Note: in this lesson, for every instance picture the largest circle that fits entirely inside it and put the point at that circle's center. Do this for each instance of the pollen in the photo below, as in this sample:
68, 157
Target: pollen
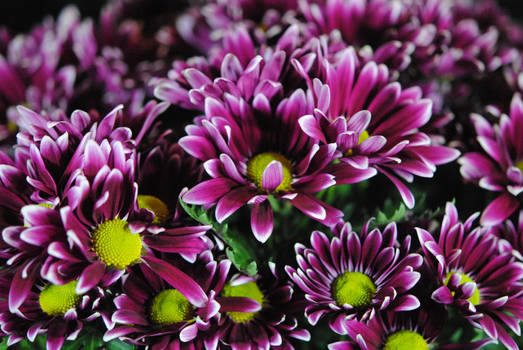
519, 165
258, 163
475, 297
115, 244
170, 307
405, 340
159, 208
247, 290
55, 300
363, 136
353, 288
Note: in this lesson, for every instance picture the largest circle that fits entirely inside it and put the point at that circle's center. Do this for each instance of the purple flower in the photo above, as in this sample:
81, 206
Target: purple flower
373, 122
55, 310
205, 27
499, 167
163, 306
416, 329
252, 146
351, 278
271, 327
475, 275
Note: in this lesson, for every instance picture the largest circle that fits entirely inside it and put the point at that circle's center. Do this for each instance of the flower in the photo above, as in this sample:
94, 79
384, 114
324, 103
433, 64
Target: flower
252, 149
270, 327
55, 310
499, 167
475, 275
349, 278
400, 331
373, 122
165, 303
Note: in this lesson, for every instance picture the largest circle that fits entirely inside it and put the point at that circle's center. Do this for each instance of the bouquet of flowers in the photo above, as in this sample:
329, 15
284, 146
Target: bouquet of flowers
263, 174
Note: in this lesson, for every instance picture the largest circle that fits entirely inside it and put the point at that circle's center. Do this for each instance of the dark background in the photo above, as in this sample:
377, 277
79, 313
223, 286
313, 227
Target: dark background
20, 15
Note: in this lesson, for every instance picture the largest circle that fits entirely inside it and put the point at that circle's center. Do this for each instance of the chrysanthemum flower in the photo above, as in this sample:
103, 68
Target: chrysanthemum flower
349, 278
271, 327
373, 122
163, 307
105, 233
473, 274
253, 147
500, 167
31, 71
203, 27
55, 310
414, 330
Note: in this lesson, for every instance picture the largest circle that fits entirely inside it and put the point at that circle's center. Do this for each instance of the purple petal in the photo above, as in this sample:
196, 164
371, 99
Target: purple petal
178, 280
232, 201
90, 277
272, 176
443, 295
262, 221
310, 126
209, 191
499, 209
238, 304
405, 193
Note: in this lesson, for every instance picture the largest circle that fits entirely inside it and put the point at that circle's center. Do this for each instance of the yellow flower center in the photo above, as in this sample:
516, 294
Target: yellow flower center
519, 165
169, 307
55, 300
159, 208
257, 165
248, 290
353, 288
363, 136
474, 299
115, 244
405, 340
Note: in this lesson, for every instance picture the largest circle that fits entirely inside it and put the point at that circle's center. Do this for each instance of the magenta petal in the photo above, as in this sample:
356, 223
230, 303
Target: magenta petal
178, 280
238, 304
310, 206
209, 191
309, 125
262, 221
443, 295
90, 277
405, 193
232, 201
272, 176
499, 209
56, 336
406, 303
20, 288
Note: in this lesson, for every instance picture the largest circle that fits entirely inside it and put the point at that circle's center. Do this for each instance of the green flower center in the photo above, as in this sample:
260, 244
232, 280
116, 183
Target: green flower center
519, 165
474, 299
116, 245
353, 288
159, 208
169, 307
257, 165
55, 300
405, 340
363, 136
248, 290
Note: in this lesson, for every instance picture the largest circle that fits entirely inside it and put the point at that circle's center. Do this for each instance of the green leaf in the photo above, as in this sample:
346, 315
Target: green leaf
118, 345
